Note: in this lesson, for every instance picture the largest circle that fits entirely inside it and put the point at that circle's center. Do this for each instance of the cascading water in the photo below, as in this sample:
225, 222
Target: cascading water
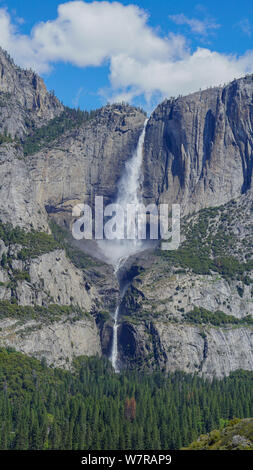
118, 250
114, 354
128, 193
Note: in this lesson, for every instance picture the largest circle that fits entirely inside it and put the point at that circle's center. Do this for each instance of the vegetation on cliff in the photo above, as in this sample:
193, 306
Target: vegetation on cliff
63, 239
32, 243
69, 119
218, 318
210, 246
52, 312
5, 139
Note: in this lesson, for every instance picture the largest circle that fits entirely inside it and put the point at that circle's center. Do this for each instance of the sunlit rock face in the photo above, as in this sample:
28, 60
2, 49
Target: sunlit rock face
24, 99
86, 162
198, 148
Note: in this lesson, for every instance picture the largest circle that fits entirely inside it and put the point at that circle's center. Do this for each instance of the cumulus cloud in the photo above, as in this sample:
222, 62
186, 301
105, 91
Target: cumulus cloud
202, 28
199, 70
21, 47
140, 61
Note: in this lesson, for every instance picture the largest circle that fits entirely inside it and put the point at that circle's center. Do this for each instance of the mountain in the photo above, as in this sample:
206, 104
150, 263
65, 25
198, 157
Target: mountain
198, 148
189, 309
24, 101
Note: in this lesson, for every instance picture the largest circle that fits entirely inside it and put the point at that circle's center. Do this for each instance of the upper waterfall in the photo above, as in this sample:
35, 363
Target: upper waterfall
129, 184
129, 192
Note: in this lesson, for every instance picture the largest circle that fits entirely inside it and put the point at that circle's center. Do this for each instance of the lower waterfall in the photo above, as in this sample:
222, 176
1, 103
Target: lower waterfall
114, 354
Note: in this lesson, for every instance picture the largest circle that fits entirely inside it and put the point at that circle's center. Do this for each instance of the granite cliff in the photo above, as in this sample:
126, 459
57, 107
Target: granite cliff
190, 309
198, 148
25, 102
85, 162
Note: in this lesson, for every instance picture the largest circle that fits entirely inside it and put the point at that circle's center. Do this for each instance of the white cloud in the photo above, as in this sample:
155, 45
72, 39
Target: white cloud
21, 47
90, 33
202, 28
199, 70
140, 61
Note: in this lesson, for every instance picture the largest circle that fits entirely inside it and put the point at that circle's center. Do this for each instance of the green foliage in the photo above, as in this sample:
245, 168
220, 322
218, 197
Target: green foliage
4, 260
80, 259
232, 268
202, 316
103, 316
47, 408
5, 139
68, 120
204, 253
33, 243
235, 434
52, 312
20, 275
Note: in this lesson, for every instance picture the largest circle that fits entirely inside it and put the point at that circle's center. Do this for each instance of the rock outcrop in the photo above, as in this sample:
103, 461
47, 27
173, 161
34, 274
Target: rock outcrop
210, 352
24, 99
51, 280
58, 342
17, 204
87, 162
199, 148
192, 309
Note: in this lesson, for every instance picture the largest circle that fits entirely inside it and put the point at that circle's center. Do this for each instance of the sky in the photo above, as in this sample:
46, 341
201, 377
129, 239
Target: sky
91, 53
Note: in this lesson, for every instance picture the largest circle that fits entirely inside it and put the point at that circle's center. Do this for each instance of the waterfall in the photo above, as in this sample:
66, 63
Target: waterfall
129, 185
114, 354
116, 251
120, 250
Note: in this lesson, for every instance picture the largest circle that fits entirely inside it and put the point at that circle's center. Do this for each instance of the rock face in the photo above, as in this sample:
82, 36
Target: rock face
154, 329
17, 206
197, 152
198, 148
87, 162
24, 100
170, 347
58, 342
53, 280
160, 322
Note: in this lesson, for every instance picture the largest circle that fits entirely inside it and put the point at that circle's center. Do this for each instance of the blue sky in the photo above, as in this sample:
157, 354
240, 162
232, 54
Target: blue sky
94, 52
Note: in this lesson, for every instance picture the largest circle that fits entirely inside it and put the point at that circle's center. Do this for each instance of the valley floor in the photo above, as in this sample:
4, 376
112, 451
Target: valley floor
92, 408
